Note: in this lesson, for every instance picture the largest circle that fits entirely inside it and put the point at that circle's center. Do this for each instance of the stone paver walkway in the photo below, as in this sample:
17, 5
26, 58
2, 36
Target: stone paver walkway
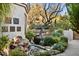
72, 50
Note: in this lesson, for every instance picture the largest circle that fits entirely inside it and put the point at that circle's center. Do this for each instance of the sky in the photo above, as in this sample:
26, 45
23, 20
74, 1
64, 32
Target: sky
64, 8
51, 4
62, 4
64, 11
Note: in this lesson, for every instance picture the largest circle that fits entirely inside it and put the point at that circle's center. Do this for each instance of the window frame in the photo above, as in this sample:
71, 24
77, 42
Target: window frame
8, 20
18, 28
11, 29
4, 30
15, 20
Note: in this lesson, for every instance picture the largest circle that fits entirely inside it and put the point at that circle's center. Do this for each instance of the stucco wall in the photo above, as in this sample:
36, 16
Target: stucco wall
17, 12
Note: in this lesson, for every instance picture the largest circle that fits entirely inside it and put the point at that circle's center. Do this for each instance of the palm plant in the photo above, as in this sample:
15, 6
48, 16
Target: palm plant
73, 11
4, 10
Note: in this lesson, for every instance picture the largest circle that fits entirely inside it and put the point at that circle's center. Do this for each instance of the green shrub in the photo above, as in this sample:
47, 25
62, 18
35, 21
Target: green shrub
37, 39
64, 44
48, 41
64, 39
59, 47
17, 52
60, 31
3, 41
57, 33
56, 39
30, 34
61, 44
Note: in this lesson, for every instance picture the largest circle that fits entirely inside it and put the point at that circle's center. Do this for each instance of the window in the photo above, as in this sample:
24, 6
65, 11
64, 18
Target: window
18, 28
4, 28
12, 29
8, 20
15, 20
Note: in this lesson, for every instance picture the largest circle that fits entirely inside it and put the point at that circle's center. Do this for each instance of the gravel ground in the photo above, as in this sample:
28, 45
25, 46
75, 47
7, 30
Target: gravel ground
72, 50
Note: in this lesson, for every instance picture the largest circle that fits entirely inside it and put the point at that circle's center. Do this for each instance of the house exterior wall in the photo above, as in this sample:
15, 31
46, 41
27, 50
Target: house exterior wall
16, 12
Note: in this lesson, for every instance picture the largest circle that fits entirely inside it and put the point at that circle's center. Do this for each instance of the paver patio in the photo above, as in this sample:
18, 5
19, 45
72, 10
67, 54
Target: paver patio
72, 50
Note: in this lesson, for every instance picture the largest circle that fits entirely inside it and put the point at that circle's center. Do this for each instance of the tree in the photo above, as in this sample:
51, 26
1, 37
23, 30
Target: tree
34, 15
47, 11
50, 12
63, 23
73, 11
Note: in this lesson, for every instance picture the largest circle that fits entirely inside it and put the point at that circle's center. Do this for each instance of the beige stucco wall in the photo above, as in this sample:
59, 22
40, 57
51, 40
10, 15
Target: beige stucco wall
17, 12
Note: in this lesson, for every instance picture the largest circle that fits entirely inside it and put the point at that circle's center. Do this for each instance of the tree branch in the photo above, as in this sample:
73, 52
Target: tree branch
54, 11
45, 10
27, 8
19, 5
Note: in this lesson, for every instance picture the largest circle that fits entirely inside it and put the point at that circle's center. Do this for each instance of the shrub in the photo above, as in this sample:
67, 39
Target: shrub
3, 41
59, 47
57, 33
30, 34
56, 39
17, 52
64, 39
61, 44
48, 41
60, 31
64, 44
37, 40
